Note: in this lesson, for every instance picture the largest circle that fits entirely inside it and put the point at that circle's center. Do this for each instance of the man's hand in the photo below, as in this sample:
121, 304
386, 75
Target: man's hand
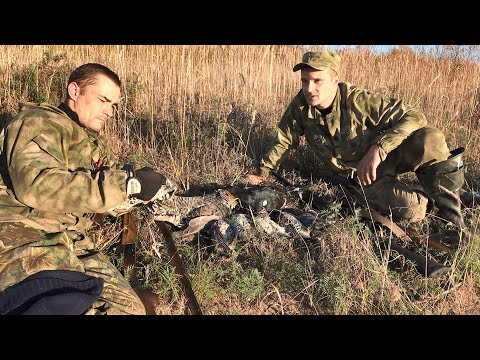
252, 179
367, 166
152, 185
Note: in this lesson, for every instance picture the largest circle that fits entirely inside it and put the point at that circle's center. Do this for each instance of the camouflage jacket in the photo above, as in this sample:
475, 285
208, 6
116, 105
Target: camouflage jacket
359, 118
50, 174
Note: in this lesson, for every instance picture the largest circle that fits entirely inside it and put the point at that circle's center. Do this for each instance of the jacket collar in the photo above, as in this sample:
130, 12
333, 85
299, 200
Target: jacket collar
73, 115
332, 120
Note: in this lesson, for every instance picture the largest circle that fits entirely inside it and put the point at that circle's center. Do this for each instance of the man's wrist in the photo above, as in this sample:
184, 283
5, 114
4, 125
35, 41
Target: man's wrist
382, 153
133, 185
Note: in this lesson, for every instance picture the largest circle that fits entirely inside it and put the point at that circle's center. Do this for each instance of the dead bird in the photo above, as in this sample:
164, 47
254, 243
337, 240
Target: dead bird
245, 225
316, 221
293, 225
241, 223
306, 224
265, 224
470, 199
259, 198
179, 210
222, 237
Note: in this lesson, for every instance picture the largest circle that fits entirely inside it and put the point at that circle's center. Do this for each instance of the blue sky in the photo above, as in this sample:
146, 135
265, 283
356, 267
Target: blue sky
467, 52
384, 48
381, 48
378, 48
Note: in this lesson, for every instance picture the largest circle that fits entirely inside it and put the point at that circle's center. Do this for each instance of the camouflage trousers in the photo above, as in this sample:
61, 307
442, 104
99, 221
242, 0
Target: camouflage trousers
424, 147
25, 251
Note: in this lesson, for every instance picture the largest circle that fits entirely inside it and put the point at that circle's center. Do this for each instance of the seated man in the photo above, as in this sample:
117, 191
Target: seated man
57, 171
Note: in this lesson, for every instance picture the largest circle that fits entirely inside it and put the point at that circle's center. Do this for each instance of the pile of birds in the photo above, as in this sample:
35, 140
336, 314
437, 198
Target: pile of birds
227, 214
234, 213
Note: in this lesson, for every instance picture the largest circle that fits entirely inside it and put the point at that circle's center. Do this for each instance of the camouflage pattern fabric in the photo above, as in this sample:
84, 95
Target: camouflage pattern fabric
406, 141
25, 251
320, 60
423, 147
178, 210
55, 175
373, 120
50, 163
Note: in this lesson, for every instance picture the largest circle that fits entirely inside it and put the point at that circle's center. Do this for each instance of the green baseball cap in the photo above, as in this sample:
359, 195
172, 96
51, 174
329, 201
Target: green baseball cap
320, 60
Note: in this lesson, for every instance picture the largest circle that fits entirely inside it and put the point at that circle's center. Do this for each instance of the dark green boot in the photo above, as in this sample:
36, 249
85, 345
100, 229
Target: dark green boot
443, 181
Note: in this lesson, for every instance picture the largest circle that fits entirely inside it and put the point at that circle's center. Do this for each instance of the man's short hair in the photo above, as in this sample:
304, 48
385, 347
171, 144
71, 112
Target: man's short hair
86, 75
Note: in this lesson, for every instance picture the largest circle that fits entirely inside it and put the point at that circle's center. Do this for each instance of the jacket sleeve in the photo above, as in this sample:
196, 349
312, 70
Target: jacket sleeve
37, 158
288, 134
395, 119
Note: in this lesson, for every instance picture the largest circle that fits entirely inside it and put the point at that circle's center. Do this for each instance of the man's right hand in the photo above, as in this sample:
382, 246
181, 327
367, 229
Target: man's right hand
153, 185
367, 166
252, 179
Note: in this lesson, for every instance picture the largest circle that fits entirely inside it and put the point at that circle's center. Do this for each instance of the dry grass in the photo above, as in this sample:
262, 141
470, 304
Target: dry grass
205, 114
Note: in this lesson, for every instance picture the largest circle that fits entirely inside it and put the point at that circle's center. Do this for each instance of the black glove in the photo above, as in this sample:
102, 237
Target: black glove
144, 183
150, 182
148, 185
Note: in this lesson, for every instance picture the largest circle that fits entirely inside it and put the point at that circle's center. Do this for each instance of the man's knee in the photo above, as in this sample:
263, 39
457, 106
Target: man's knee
411, 207
431, 144
118, 296
390, 196
423, 147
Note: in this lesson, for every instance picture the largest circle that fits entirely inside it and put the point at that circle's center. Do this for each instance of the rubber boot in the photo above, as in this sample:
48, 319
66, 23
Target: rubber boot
443, 181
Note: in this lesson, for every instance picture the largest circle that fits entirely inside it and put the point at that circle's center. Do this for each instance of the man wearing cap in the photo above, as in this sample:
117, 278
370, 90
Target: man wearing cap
371, 139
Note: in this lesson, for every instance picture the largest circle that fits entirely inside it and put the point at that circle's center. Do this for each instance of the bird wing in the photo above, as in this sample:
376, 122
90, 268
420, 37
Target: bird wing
197, 224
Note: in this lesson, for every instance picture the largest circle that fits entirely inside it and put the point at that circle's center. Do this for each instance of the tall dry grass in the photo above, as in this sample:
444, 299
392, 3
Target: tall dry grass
207, 113
173, 93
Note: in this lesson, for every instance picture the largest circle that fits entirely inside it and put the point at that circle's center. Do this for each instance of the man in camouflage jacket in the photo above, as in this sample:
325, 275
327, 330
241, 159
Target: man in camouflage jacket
370, 139
56, 172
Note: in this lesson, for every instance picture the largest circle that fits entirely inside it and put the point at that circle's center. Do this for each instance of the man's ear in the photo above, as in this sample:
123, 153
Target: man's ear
73, 90
337, 79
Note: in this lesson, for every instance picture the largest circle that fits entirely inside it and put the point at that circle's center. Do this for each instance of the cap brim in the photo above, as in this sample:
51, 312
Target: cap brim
303, 65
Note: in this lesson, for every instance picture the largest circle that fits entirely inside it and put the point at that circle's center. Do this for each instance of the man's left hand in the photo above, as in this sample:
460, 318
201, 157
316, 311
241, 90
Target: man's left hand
367, 167
253, 179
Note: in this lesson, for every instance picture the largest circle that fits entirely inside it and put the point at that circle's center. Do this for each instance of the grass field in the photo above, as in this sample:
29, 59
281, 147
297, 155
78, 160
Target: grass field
205, 114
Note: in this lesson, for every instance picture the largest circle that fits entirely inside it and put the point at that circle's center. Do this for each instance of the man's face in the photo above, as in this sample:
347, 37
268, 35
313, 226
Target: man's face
95, 103
319, 86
